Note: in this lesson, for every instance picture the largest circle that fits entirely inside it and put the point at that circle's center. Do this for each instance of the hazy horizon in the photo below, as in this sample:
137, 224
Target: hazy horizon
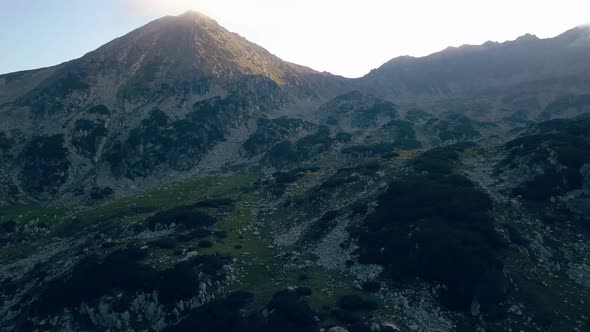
342, 37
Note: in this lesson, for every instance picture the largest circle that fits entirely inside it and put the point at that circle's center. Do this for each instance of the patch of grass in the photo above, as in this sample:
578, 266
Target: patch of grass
137, 208
369, 150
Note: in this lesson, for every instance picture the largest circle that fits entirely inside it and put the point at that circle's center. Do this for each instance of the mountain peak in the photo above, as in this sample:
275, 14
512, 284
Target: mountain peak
195, 18
193, 14
187, 48
527, 37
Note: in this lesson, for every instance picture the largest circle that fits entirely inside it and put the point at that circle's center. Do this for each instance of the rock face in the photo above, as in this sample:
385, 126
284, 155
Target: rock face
356, 110
548, 160
337, 329
270, 132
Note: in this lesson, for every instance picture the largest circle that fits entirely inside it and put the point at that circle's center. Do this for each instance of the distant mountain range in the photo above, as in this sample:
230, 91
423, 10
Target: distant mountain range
524, 76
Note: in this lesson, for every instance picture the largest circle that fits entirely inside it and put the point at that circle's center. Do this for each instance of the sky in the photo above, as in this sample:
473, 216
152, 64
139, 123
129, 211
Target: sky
344, 37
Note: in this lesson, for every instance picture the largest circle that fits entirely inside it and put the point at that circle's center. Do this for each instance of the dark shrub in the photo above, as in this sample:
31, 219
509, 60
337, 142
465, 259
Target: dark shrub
551, 183
439, 229
182, 215
371, 286
199, 233
368, 150
8, 226
45, 164
205, 244
303, 291
338, 180
440, 160
99, 110
285, 177
356, 303
302, 277
123, 271
343, 137
390, 155
287, 313
220, 316
321, 227
284, 154
6, 143
8, 287
101, 193
359, 208
165, 243
220, 234
400, 129
239, 299
345, 316
416, 115
214, 203
515, 235
290, 313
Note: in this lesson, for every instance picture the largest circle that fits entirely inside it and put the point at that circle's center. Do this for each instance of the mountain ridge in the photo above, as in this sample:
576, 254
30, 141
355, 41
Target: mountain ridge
539, 70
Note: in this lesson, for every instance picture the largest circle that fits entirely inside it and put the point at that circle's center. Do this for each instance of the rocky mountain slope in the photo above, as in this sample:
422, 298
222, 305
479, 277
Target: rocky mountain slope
182, 178
101, 115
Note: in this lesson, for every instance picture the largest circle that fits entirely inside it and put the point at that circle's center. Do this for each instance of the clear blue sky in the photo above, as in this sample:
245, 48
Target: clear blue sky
346, 37
39, 33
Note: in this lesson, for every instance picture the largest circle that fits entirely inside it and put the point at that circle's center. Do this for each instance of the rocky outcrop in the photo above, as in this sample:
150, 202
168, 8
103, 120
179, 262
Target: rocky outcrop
355, 110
